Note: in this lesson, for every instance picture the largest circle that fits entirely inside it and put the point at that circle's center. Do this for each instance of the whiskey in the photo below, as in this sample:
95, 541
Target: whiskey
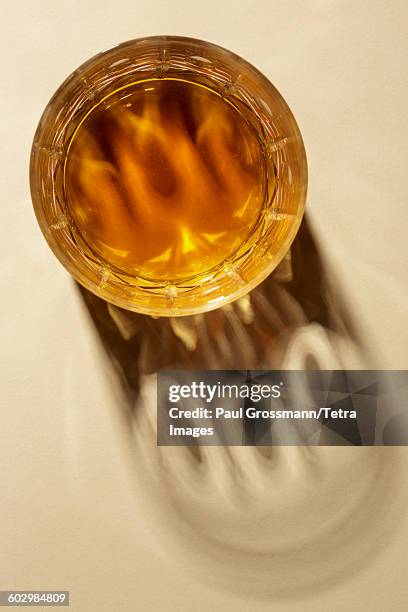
164, 179
168, 176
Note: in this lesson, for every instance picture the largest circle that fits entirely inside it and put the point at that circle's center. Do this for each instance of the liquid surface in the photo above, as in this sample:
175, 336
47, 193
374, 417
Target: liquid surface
164, 179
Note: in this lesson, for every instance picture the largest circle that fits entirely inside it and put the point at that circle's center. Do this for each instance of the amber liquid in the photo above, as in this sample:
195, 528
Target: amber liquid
164, 179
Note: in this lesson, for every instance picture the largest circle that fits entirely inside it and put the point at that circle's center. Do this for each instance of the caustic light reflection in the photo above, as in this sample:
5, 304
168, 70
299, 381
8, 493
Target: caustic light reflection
259, 520
164, 179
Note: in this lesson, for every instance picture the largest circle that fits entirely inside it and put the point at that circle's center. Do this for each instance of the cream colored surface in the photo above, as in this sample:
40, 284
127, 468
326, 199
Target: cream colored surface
72, 512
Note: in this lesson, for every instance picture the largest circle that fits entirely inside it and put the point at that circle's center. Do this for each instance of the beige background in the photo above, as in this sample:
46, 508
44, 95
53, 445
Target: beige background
69, 515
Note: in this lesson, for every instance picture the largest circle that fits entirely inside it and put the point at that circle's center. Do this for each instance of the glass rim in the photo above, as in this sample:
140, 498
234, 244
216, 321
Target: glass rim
67, 108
